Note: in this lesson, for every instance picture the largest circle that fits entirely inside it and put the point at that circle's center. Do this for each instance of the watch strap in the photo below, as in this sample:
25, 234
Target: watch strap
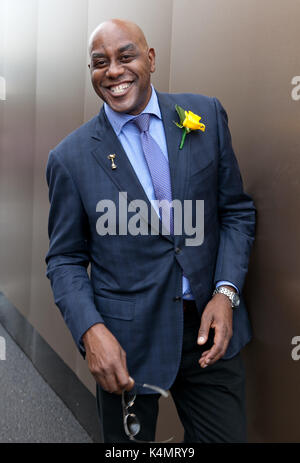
227, 292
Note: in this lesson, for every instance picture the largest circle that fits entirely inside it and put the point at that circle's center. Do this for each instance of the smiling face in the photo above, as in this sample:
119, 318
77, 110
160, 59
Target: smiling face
121, 65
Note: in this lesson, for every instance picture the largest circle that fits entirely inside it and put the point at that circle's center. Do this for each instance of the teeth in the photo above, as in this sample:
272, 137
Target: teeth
119, 88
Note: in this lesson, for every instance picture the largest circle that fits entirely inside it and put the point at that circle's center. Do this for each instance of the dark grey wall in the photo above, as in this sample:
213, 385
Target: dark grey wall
246, 53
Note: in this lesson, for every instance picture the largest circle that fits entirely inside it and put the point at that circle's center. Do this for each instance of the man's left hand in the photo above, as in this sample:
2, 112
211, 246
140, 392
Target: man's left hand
217, 315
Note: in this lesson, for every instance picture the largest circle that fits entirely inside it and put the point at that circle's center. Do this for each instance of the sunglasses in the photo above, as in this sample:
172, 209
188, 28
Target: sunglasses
132, 425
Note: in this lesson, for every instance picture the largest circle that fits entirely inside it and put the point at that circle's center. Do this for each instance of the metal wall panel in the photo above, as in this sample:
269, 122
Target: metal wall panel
60, 74
17, 148
246, 53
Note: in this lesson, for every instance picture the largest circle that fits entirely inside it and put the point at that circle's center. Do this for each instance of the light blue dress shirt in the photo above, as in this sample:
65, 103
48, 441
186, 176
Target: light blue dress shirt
129, 136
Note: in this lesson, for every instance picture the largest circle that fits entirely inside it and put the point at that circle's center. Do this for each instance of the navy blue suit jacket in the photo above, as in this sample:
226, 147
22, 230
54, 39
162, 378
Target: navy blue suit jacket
135, 281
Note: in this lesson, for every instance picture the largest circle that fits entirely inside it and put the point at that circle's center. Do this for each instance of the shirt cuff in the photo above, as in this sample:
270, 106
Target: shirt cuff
226, 283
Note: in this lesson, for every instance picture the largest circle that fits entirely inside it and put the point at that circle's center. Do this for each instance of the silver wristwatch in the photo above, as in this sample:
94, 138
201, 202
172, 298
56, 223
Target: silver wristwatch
234, 297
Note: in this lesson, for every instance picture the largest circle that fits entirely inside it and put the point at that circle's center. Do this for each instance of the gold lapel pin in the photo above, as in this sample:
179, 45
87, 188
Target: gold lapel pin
112, 157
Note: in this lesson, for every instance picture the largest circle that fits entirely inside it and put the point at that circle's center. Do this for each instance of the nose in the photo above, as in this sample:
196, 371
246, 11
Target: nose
115, 70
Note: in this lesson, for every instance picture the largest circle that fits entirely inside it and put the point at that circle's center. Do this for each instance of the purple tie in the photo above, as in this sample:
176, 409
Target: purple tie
158, 166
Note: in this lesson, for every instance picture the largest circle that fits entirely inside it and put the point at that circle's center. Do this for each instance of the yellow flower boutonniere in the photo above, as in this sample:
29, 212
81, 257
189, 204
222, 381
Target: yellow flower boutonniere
188, 122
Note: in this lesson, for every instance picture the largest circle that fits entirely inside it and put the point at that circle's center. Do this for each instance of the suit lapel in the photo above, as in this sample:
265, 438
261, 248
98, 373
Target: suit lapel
124, 176
178, 159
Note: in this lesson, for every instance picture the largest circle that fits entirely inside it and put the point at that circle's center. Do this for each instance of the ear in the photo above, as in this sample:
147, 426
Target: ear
151, 56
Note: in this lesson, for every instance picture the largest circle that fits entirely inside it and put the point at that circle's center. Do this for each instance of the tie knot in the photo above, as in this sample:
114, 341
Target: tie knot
142, 122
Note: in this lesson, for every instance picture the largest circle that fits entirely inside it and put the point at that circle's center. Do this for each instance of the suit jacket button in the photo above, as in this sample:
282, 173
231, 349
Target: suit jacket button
177, 250
177, 298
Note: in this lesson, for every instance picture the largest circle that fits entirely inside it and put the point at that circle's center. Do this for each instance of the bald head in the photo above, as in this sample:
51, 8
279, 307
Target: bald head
118, 26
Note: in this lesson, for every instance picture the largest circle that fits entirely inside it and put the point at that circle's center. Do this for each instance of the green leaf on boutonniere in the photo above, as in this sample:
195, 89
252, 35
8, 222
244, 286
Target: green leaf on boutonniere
178, 125
180, 112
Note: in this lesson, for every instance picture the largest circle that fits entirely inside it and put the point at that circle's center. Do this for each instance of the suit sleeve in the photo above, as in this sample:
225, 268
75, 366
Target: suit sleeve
236, 211
68, 257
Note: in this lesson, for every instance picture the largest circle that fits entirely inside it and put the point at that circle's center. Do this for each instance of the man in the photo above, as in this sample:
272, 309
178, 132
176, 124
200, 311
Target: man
147, 313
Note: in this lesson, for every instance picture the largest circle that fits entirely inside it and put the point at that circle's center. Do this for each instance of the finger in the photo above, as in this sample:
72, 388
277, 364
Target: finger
203, 361
204, 329
219, 347
125, 382
131, 384
121, 384
205, 353
122, 378
206, 359
114, 378
108, 382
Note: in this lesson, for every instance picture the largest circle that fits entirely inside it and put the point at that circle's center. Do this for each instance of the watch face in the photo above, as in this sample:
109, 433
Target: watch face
236, 300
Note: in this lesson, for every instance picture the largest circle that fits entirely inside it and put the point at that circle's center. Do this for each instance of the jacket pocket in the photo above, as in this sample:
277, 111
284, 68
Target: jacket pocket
122, 309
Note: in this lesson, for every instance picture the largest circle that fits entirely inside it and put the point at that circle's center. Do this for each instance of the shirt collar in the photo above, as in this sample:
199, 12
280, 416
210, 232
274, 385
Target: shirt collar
118, 120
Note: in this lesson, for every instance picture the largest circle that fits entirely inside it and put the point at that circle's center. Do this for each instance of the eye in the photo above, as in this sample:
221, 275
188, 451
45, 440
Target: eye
99, 63
126, 58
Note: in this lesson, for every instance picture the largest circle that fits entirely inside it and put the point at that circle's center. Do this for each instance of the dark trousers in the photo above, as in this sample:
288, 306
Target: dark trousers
210, 401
